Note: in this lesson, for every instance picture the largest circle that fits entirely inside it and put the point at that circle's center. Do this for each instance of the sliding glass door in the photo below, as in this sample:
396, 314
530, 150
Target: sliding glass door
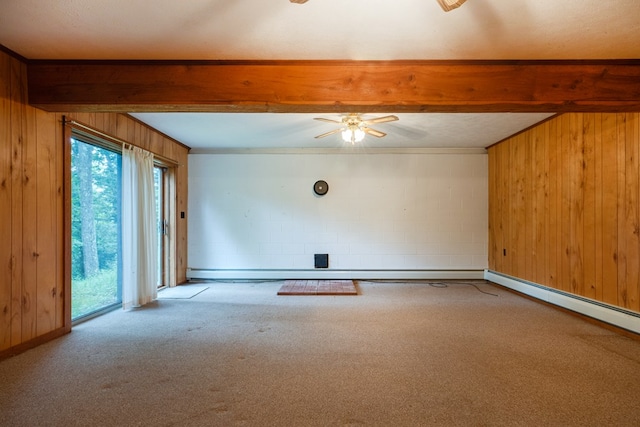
96, 230
162, 222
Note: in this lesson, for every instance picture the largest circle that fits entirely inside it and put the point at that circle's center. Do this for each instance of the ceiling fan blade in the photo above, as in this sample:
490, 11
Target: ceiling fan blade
381, 120
322, 119
374, 132
448, 5
329, 133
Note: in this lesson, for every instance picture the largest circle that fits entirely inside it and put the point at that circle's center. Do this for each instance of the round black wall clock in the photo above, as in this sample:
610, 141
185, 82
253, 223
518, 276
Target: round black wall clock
320, 188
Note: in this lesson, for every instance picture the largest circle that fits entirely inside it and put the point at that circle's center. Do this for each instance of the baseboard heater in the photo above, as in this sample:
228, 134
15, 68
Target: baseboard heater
612, 315
284, 274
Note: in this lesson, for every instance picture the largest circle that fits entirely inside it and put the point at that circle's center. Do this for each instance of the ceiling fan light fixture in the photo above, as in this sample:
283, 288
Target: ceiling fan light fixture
354, 128
353, 134
448, 5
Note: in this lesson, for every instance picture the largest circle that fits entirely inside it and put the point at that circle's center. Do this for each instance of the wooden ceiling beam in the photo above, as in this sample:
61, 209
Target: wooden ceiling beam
335, 86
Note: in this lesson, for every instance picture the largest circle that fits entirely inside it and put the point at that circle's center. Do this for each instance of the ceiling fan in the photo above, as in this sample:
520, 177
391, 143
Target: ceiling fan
446, 5
354, 127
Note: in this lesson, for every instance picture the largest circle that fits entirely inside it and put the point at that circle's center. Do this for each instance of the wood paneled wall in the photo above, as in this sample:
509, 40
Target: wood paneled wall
564, 206
32, 235
31, 220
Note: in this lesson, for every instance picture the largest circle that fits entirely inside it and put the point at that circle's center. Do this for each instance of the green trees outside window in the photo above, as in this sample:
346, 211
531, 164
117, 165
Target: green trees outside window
95, 228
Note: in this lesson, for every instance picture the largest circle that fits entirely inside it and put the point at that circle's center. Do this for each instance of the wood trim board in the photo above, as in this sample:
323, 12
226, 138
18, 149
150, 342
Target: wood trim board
335, 86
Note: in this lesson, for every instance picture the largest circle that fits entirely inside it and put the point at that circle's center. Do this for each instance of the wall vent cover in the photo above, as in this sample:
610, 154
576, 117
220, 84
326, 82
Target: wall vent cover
321, 260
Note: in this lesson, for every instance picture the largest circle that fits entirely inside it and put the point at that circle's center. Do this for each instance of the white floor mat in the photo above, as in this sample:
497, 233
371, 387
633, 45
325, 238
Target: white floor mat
181, 292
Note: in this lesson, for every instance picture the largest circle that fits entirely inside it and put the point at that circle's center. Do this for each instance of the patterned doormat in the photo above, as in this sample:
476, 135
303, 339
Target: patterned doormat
318, 287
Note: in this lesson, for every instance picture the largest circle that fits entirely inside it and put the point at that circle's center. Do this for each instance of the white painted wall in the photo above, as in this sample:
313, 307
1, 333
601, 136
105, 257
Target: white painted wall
382, 211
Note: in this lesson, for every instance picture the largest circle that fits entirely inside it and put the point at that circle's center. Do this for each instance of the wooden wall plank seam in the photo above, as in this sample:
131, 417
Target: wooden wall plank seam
16, 141
589, 205
577, 204
565, 183
610, 212
553, 241
29, 221
632, 221
47, 218
5, 203
541, 174
621, 209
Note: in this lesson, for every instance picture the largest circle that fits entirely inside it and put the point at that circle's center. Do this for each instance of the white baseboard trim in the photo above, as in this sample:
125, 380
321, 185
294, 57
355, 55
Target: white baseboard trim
204, 274
595, 309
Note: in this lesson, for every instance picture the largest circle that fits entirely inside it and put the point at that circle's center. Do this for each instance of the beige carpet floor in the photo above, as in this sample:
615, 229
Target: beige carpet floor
399, 354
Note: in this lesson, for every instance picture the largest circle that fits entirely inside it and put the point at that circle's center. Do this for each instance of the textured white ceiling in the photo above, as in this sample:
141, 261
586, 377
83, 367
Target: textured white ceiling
205, 131
320, 29
323, 29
